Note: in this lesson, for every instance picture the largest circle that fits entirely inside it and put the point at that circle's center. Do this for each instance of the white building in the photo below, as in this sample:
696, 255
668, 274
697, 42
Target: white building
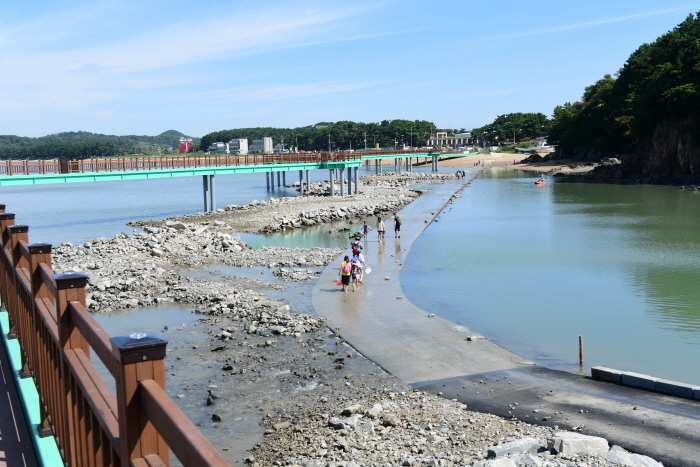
262, 145
238, 146
441, 140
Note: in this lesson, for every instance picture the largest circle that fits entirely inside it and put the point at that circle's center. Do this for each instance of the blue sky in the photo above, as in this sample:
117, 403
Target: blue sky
144, 67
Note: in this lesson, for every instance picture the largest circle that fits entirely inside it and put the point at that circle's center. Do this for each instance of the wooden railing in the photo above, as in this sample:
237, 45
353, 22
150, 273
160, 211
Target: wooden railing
158, 163
139, 425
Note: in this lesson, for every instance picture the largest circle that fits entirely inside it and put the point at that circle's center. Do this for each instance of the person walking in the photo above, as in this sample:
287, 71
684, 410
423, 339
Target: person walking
355, 275
365, 230
345, 273
381, 228
358, 257
397, 226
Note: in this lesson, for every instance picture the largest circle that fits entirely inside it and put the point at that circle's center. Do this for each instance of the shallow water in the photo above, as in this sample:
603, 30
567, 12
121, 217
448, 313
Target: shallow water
534, 267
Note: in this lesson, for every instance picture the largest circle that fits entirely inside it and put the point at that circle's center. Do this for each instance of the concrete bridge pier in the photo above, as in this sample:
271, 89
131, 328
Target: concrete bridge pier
279, 179
284, 178
342, 182
357, 181
209, 189
376, 166
308, 179
267, 180
332, 183
301, 181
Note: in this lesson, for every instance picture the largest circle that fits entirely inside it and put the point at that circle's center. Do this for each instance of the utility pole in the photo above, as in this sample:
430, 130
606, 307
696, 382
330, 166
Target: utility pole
329, 143
411, 137
365, 134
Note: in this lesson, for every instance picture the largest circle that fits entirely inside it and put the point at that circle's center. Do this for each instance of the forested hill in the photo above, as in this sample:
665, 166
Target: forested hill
81, 144
648, 115
343, 135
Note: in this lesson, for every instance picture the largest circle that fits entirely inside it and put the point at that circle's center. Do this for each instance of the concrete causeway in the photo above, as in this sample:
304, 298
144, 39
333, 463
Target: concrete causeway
434, 354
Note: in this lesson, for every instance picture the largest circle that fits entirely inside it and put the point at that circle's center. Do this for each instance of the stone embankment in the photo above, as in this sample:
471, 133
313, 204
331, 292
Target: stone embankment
414, 428
379, 195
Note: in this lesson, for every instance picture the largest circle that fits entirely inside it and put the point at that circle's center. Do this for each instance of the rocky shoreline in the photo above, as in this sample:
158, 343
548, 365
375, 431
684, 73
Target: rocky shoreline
254, 357
379, 195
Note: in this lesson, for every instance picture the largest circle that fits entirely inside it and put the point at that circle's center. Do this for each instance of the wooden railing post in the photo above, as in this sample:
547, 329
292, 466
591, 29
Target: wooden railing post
6, 219
15, 233
142, 358
70, 287
40, 253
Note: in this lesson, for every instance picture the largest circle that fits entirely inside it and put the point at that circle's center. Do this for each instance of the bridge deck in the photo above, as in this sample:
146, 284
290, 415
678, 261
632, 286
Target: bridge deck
95, 170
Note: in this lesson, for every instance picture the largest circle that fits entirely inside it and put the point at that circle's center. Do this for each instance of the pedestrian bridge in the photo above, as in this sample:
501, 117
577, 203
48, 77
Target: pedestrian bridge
112, 169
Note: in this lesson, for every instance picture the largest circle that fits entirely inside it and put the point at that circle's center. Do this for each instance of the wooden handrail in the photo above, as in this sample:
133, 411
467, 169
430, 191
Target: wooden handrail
96, 336
181, 435
55, 331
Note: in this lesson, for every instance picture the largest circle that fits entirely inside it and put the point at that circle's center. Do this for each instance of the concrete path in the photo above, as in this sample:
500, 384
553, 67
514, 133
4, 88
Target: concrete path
434, 354
393, 332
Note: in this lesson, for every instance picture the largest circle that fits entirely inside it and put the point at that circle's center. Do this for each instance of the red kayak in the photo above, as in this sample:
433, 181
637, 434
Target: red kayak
539, 182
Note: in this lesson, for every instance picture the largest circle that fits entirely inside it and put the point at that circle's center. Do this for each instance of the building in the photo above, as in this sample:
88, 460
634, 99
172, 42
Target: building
238, 146
218, 148
262, 145
441, 140
185, 145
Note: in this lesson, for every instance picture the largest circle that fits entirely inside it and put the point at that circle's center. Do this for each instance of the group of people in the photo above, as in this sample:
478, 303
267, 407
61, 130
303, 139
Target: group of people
381, 227
460, 174
352, 270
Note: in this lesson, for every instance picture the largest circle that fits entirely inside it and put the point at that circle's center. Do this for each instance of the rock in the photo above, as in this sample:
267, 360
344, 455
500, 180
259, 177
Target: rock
570, 444
350, 410
175, 225
281, 425
504, 462
367, 429
215, 417
518, 446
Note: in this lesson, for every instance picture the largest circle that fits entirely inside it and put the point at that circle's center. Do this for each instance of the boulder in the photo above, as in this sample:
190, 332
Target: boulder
175, 225
517, 446
570, 444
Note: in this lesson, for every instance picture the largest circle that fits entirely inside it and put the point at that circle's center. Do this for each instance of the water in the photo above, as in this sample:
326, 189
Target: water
535, 267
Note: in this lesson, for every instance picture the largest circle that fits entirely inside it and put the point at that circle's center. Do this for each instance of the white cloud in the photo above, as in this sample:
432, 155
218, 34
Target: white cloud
588, 24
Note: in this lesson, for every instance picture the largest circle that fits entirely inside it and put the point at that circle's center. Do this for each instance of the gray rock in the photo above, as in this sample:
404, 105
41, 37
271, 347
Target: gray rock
570, 444
175, 225
517, 446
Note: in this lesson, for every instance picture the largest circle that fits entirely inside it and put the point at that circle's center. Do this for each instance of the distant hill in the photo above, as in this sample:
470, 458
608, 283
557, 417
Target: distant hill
343, 134
165, 140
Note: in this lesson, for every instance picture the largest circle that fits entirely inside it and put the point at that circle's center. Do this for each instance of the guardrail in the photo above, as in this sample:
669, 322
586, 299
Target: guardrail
183, 162
139, 425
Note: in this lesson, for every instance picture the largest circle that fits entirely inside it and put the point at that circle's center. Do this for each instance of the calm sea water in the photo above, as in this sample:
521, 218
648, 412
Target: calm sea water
529, 267
76, 212
534, 267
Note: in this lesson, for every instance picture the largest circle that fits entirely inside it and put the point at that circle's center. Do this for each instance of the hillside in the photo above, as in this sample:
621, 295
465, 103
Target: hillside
647, 116
343, 134
165, 140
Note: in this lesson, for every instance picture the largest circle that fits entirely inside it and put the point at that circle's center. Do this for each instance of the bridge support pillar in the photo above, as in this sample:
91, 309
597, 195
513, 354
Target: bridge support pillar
284, 178
279, 179
308, 179
342, 182
212, 192
267, 180
381, 163
209, 189
332, 182
357, 180
205, 189
376, 166
301, 181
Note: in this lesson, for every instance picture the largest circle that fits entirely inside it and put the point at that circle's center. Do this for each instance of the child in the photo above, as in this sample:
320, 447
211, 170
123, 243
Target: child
365, 230
355, 275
